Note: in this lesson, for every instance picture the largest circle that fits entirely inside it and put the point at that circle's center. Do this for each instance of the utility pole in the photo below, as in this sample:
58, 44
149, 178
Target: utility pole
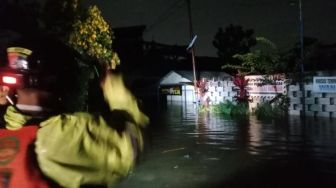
191, 32
302, 61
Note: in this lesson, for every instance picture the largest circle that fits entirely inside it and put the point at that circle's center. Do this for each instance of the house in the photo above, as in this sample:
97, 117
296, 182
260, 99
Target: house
179, 86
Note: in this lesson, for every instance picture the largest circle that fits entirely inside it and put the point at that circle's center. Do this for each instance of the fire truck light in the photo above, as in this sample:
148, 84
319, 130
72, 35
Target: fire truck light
9, 80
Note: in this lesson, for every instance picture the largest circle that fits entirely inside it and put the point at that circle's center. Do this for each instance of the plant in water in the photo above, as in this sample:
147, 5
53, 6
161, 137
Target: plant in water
277, 107
230, 108
241, 83
202, 86
223, 108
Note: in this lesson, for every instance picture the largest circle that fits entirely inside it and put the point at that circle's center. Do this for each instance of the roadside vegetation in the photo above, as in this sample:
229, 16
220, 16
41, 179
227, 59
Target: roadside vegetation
276, 108
231, 108
244, 54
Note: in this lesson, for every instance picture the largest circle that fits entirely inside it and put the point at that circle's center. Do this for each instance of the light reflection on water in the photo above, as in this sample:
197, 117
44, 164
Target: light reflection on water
190, 149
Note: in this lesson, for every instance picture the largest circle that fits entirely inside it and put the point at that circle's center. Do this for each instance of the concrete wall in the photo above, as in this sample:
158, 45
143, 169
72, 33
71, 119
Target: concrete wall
220, 91
316, 104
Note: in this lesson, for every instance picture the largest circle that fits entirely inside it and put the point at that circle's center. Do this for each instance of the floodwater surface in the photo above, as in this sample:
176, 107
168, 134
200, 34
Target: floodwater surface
185, 149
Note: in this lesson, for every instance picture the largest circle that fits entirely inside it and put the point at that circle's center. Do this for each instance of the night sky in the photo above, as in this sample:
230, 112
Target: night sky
277, 20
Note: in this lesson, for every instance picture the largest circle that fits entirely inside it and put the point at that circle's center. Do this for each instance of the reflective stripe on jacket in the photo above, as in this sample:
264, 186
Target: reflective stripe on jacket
18, 167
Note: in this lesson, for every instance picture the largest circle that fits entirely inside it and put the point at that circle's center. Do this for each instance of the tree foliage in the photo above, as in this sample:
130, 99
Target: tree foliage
310, 50
233, 40
84, 29
58, 16
92, 36
265, 59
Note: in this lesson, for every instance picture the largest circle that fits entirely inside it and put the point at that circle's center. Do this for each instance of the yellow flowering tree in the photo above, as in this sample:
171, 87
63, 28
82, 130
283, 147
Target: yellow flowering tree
84, 30
92, 37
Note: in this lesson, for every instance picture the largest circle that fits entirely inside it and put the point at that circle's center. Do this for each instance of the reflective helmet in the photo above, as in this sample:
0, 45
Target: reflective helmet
42, 63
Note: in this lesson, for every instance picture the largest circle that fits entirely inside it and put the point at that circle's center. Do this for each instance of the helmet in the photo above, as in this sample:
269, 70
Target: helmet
40, 63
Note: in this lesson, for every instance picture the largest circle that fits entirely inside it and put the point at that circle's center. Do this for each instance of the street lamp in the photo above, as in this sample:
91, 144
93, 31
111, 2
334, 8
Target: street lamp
301, 60
302, 87
191, 46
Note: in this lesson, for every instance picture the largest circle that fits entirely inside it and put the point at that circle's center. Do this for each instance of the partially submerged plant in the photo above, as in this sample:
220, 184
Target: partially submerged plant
242, 95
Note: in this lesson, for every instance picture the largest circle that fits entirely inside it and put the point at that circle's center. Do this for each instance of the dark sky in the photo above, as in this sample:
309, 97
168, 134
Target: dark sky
277, 20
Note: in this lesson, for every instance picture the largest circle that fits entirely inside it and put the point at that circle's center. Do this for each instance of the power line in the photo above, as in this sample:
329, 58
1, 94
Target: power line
169, 12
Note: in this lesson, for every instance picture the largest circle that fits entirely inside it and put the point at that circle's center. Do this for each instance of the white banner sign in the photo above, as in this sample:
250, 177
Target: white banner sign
255, 88
324, 84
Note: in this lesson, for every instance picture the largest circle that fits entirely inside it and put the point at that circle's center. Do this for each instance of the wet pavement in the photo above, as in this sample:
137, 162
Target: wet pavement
189, 149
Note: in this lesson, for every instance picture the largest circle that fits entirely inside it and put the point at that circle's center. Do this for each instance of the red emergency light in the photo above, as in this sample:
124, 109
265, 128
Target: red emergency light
9, 80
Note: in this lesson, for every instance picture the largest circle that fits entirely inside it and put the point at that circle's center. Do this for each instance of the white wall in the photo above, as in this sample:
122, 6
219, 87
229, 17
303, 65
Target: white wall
220, 91
316, 104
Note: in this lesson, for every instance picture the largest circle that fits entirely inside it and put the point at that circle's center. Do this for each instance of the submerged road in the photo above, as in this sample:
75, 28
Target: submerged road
187, 149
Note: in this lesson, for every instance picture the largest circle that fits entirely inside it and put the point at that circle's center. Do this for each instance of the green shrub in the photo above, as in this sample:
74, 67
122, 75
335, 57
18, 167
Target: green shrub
240, 109
273, 109
230, 108
264, 110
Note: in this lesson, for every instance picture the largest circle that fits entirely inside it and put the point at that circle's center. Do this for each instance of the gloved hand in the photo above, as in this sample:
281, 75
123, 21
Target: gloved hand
119, 97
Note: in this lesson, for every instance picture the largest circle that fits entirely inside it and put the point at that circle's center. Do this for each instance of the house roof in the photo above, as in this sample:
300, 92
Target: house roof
186, 77
174, 78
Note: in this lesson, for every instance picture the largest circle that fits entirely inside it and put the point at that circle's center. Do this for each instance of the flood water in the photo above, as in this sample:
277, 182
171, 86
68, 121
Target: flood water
189, 149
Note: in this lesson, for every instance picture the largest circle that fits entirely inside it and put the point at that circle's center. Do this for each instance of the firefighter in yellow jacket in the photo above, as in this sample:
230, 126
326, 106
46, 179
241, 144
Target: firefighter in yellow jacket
71, 149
